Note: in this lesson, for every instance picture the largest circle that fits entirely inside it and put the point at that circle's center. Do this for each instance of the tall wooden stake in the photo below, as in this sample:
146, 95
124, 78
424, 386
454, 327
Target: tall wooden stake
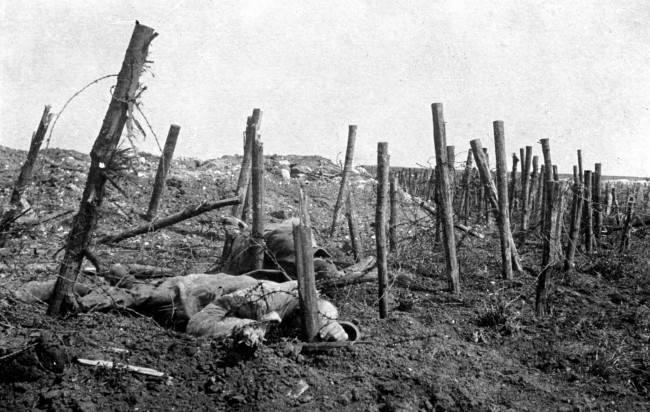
257, 232
355, 239
492, 198
349, 155
305, 272
444, 203
380, 226
101, 154
512, 192
164, 164
524, 192
502, 186
392, 224
598, 206
588, 226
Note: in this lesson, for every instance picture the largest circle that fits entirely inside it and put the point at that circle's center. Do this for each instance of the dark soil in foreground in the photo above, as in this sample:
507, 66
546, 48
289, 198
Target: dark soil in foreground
482, 351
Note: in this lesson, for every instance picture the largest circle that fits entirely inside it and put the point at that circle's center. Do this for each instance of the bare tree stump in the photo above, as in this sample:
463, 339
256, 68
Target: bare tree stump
445, 201
347, 168
101, 157
15, 205
502, 186
512, 192
525, 170
574, 230
580, 171
164, 164
380, 226
532, 191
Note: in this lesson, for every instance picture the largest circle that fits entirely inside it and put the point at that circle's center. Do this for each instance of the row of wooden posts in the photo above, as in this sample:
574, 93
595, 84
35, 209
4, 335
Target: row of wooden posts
541, 193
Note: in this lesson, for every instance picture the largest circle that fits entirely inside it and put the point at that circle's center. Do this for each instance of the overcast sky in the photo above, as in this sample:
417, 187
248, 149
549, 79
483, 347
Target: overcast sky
576, 72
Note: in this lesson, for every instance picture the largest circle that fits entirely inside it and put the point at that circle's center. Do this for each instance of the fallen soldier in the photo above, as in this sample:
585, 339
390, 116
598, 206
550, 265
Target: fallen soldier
212, 305
279, 256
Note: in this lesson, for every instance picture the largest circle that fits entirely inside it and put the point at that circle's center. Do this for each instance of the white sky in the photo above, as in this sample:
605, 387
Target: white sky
576, 72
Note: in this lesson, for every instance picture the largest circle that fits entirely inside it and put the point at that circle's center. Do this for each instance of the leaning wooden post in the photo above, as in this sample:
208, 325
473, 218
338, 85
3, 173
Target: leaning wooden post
576, 218
444, 203
502, 187
492, 198
524, 192
512, 191
163, 168
349, 155
15, 204
244, 181
103, 150
355, 239
598, 207
588, 226
550, 235
305, 273
392, 224
257, 231
380, 226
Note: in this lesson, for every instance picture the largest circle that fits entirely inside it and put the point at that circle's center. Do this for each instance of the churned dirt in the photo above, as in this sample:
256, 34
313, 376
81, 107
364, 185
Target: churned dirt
484, 350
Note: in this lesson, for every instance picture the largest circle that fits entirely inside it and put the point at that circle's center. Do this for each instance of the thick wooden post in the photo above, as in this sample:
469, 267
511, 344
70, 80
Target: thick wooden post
451, 167
355, 239
465, 206
551, 236
242, 191
576, 218
580, 171
383, 170
104, 148
257, 232
512, 192
598, 206
502, 187
349, 155
164, 164
492, 198
524, 192
444, 192
392, 224
588, 226
305, 272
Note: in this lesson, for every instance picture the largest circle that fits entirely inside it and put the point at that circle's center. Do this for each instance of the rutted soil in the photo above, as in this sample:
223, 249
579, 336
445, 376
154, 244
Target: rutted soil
483, 351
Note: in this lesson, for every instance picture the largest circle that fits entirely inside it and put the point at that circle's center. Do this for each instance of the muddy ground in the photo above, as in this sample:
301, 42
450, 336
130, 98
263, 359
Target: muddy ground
482, 351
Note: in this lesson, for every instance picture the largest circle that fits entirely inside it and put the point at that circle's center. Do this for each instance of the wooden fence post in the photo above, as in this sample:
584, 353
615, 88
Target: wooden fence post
503, 221
588, 226
532, 191
392, 225
164, 164
576, 217
85, 220
242, 191
305, 272
257, 232
513, 183
598, 206
580, 171
492, 198
383, 170
349, 155
355, 239
524, 192
444, 192
464, 205
551, 236
451, 167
